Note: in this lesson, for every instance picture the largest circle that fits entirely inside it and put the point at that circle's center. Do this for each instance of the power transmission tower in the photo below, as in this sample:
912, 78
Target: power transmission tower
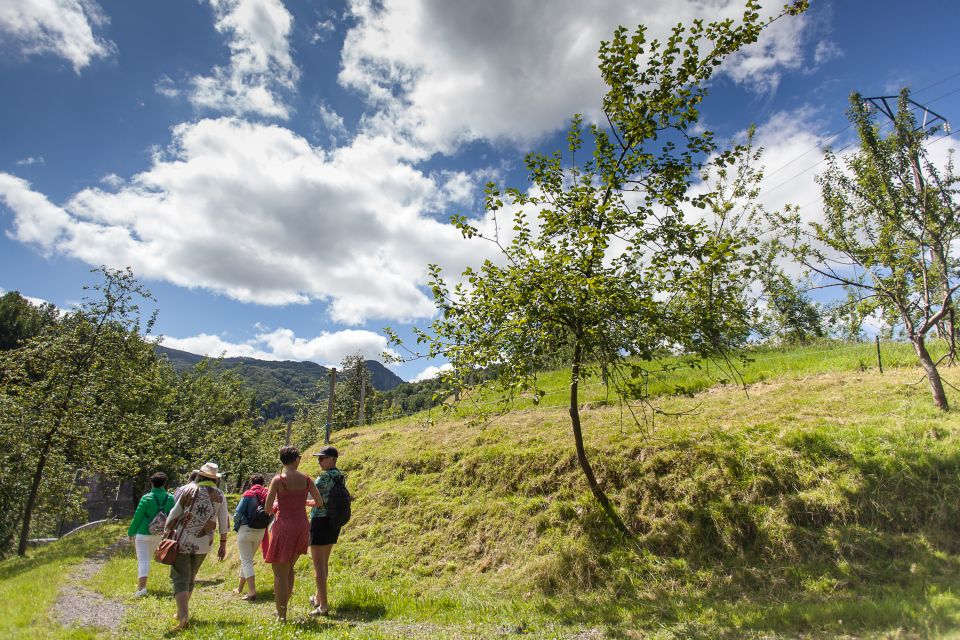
887, 105
930, 117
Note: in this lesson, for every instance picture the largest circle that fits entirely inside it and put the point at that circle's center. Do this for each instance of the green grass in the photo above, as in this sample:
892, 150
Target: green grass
823, 502
687, 376
29, 586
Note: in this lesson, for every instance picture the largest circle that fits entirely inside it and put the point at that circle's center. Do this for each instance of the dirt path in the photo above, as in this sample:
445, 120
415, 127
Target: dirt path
78, 606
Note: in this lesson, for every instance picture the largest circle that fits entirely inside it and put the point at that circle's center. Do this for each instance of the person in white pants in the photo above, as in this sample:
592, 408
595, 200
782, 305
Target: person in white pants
148, 520
249, 537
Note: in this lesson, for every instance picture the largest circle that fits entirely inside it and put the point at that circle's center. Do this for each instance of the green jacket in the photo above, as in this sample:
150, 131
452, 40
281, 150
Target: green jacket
150, 504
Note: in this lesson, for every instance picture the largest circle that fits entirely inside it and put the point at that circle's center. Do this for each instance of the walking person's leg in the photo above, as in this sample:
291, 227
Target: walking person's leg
245, 549
183, 574
320, 554
281, 573
291, 574
254, 541
143, 547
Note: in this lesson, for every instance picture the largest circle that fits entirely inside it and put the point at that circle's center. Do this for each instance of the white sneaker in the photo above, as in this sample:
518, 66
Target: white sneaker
140, 593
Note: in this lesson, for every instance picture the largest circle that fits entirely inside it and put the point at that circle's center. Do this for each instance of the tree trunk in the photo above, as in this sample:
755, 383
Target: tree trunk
933, 376
32, 496
952, 337
595, 488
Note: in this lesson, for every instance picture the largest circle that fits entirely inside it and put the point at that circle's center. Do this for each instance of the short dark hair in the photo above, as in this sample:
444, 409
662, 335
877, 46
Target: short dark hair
193, 476
158, 479
257, 478
289, 454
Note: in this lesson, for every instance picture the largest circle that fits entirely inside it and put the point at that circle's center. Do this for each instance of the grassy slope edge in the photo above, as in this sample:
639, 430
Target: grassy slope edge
815, 505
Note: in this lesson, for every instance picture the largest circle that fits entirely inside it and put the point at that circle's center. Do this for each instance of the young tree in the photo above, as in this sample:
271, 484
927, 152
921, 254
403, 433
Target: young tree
354, 382
890, 231
64, 383
603, 258
790, 317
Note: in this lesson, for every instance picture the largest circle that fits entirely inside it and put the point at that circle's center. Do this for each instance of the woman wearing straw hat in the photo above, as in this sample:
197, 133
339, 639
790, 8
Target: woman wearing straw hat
200, 509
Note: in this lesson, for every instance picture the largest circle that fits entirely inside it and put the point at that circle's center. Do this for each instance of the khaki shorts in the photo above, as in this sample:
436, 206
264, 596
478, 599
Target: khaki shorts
183, 572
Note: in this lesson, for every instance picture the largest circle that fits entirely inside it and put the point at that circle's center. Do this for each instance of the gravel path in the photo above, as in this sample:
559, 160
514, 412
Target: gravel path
78, 606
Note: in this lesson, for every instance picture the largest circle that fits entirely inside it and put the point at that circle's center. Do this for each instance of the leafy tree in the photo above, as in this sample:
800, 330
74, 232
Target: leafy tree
353, 380
212, 417
68, 384
791, 317
88, 395
20, 320
890, 231
607, 263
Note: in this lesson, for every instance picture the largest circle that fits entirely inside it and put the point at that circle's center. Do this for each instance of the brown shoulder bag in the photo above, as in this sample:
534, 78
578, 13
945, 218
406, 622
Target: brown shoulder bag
169, 547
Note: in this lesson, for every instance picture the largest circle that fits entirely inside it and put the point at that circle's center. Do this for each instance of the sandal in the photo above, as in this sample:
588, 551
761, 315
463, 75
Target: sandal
250, 597
317, 611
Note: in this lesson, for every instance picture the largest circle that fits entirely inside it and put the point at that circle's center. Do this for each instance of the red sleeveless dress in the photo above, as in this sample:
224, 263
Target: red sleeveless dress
290, 531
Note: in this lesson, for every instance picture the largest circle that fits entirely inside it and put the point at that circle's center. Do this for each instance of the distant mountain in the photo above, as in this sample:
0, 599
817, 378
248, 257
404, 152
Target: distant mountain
279, 386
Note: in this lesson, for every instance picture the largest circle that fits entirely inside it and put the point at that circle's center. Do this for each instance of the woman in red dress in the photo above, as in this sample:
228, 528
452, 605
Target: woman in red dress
290, 531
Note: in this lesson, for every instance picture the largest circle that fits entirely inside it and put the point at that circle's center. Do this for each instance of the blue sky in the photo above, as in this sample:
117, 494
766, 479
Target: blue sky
280, 174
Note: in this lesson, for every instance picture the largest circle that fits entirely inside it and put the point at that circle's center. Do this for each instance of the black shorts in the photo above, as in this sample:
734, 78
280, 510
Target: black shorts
322, 531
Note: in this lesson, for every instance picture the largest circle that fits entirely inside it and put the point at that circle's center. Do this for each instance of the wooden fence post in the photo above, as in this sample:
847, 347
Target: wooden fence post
879, 361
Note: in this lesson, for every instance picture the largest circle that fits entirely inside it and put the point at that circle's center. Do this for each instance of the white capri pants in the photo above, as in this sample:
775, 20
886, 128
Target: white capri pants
145, 546
247, 542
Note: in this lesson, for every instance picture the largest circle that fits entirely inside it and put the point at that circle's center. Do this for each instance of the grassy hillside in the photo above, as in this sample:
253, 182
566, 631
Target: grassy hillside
816, 505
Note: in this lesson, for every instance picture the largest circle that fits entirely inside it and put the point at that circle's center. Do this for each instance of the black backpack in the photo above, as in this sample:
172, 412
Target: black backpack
338, 502
260, 518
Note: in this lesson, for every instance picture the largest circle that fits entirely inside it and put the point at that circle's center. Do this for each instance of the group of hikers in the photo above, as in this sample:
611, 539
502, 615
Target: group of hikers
272, 517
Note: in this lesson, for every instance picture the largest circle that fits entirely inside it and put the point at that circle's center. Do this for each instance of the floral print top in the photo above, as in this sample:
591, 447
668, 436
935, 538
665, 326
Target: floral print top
324, 484
200, 509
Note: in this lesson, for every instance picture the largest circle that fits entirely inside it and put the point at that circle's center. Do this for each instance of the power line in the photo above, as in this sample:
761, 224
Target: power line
840, 131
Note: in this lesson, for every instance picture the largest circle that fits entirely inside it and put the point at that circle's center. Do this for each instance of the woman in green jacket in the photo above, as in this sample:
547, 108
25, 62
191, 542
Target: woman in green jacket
152, 504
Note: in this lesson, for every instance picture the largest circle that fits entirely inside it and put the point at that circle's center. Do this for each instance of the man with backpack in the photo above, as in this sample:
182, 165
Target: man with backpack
147, 525
250, 521
326, 519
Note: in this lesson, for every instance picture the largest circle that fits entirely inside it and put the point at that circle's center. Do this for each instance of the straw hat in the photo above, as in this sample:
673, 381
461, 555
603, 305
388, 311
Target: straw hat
209, 470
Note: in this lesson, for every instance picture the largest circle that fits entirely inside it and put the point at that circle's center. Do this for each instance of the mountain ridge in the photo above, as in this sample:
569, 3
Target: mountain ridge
279, 386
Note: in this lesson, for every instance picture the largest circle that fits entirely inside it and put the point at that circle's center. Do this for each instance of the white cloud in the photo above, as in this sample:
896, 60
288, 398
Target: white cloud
26, 162
331, 122
826, 51
165, 86
329, 348
260, 68
779, 48
214, 346
793, 143
36, 220
257, 213
322, 30
65, 28
447, 71
112, 180
431, 372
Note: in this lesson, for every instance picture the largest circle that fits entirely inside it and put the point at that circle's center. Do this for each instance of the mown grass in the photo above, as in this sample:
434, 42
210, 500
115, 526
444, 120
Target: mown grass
684, 376
817, 506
